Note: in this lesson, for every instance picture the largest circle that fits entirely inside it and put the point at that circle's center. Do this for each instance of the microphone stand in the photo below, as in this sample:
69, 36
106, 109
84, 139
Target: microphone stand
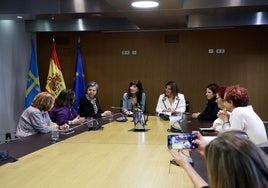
123, 116
87, 123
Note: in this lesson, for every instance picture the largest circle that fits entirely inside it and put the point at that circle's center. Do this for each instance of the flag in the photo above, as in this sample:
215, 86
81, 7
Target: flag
79, 82
55, 81
33, 84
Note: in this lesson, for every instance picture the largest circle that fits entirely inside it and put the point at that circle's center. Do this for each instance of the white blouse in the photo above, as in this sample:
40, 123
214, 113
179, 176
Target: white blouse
179, 104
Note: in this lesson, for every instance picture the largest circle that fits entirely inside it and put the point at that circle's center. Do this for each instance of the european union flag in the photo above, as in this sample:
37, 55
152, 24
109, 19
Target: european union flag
33, 84
79, 82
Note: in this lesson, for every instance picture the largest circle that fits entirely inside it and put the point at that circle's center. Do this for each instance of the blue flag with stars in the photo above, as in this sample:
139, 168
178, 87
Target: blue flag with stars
79, 82
33, 84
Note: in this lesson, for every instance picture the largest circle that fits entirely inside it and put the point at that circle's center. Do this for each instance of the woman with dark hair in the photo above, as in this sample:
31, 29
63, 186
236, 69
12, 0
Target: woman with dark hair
63, 111
218, 123
89, 105
35, 119
242, 117
212, 109
232, 161
135, 97
171, 102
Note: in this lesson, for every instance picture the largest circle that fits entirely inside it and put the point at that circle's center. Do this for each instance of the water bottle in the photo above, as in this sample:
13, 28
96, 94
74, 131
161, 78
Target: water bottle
55, 133
89, 122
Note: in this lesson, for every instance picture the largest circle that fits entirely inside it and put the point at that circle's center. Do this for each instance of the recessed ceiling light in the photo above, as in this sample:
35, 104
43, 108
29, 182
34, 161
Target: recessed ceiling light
145, 4
19, 17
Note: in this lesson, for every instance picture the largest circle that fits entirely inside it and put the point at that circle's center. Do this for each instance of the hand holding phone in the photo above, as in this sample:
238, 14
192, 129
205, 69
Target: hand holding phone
181, 141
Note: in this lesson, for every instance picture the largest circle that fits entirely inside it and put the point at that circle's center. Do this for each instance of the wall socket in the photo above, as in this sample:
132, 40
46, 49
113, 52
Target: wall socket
125, 52
220, 51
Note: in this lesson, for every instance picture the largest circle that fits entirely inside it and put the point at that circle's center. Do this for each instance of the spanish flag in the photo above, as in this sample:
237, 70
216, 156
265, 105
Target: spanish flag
55, 81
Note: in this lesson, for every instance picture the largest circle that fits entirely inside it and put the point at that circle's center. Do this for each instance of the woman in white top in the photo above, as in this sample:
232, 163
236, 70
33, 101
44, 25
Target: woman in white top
171, 102
242, 117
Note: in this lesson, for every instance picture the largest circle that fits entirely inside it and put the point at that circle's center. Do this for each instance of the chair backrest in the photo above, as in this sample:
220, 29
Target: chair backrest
121, 106
187, 106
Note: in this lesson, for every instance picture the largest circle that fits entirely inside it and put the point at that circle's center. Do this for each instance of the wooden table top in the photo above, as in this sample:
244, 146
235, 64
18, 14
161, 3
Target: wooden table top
116, 156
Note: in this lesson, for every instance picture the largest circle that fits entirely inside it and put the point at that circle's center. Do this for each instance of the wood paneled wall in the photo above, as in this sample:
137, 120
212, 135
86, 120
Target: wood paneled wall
181, 56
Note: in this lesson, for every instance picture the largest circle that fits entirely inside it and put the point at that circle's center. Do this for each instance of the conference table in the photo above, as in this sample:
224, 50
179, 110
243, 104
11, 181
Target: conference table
115, 156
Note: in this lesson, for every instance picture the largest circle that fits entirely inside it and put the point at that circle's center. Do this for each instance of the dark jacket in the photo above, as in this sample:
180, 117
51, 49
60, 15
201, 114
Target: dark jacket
86, 108
210, 112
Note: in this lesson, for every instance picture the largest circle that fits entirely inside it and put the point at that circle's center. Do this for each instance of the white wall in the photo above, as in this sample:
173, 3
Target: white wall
15, 51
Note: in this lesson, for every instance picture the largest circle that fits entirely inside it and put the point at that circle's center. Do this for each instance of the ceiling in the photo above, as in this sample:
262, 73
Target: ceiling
118, 15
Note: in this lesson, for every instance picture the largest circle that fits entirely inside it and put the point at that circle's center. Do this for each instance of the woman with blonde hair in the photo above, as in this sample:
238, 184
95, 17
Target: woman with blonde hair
233, 161
35, 119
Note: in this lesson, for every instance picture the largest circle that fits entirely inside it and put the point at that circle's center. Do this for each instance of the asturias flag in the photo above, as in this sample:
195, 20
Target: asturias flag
55, 81
79, 82
33, 84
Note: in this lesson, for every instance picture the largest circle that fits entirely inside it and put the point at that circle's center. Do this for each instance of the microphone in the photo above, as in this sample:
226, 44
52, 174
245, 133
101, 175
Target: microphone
90, 124
123, 117
121, 109
116, 107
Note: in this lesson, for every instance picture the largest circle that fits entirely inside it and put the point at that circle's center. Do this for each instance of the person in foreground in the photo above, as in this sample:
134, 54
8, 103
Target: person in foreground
35, 119
89, 105
135, 97
232, 160
242, 116
63, 112
171, 101
211, 110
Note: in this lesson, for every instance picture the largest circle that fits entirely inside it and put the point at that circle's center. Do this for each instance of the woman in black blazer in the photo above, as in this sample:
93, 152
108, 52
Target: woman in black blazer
89, 105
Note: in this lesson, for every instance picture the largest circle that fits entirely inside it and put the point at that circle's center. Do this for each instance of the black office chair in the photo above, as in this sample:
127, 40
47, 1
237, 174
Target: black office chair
8, 137
121, 106
187, 106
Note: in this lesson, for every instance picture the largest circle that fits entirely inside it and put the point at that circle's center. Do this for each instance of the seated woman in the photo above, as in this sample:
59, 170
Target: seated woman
242, 117
232, 160
218, 123
63, 111
135, 97
89, 105
212, 109
35, 119
171, 102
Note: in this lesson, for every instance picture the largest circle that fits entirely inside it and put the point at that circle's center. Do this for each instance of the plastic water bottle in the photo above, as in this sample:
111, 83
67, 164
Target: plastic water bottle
55, 133
89, 122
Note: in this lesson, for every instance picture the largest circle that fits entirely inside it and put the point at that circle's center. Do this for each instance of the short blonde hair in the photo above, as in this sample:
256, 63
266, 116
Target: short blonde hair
43, 101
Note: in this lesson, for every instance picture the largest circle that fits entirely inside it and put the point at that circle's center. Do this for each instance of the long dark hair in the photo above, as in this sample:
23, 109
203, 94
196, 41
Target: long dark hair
65, 98
213, 87
140, 89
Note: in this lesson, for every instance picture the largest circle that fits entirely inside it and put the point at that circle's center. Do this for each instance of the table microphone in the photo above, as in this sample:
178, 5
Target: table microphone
123, 117
85, 123
116, 107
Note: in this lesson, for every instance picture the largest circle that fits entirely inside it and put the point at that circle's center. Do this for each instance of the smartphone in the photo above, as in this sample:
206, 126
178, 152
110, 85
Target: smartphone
181, 141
